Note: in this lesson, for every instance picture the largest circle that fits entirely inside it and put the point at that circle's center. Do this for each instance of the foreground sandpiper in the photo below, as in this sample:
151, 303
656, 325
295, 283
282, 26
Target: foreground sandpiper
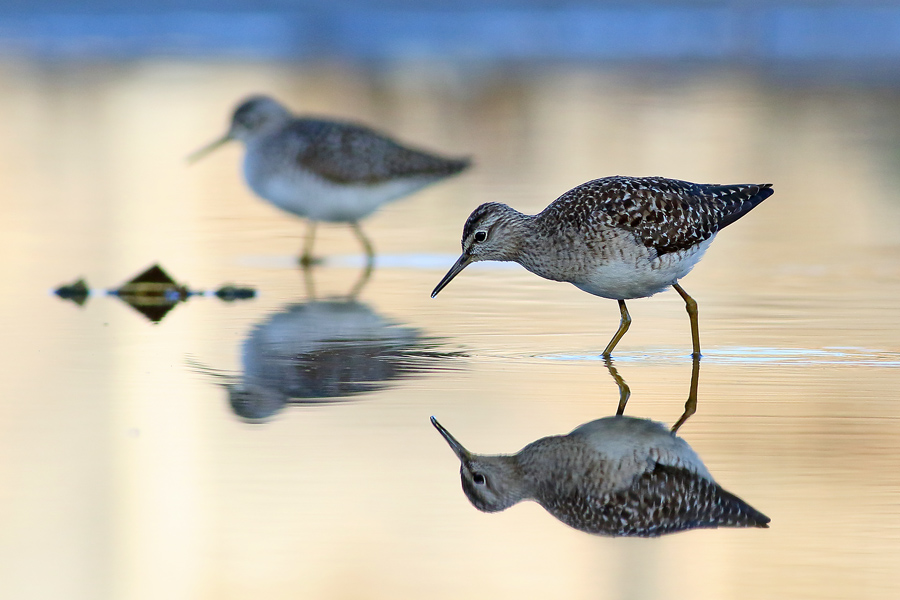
324, 170
617, 476
615, 237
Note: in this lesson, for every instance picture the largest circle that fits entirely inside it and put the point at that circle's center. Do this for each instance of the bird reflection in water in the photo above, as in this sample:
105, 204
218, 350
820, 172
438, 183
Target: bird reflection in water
616, 476
323, 351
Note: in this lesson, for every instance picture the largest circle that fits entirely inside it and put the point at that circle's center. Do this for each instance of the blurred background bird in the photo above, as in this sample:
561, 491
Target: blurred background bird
325, 170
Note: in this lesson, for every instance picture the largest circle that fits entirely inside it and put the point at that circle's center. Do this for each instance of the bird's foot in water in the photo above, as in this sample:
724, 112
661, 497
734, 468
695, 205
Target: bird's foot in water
307, 260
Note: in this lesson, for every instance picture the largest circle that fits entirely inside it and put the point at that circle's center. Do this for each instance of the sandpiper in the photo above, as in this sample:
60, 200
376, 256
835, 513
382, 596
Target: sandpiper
616, 476
324, 170
615, 237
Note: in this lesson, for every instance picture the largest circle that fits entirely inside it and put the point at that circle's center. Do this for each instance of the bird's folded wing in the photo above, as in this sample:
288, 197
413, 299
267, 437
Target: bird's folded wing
667, 215
351, 154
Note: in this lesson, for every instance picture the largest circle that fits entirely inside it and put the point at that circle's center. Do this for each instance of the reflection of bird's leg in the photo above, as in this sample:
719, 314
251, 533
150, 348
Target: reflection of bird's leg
362, 281
690, 406
306, 258
367, 246
691, 306
624, 390
624, 323
309, 281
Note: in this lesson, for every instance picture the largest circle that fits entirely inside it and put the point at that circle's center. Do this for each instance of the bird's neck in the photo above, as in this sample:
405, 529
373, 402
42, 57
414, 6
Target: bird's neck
558, 465
513, 483
540, 249
516, 229
272, 125
536, 460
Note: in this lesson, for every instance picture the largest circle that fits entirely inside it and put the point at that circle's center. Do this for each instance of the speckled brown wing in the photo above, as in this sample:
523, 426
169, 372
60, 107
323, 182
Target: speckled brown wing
665, 214
664, 500
345, 153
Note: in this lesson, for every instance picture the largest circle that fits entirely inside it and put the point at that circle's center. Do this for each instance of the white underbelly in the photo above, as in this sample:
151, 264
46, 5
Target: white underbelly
627, 277
315, 198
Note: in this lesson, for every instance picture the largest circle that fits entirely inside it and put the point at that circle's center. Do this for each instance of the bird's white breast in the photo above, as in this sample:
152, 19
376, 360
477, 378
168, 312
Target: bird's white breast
638, 273
298, 191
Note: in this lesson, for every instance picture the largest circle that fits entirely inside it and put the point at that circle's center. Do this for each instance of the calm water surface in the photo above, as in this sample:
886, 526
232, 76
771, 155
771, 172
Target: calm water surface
129, 472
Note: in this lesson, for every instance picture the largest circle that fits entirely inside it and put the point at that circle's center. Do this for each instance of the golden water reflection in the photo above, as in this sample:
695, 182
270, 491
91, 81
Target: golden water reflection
125, 477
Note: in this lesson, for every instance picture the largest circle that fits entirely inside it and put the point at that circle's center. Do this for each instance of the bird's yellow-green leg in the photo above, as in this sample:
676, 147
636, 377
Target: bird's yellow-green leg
691, 306
367, 245
690, 406
624, 324
306, 258
624, 390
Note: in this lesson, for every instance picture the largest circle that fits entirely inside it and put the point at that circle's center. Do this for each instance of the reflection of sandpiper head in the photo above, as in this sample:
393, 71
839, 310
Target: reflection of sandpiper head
491, 483
324, 351
254, 403
617, 476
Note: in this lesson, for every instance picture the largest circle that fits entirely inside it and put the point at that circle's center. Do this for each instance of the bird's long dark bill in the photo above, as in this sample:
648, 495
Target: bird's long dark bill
460, 264
198, 154
461, 452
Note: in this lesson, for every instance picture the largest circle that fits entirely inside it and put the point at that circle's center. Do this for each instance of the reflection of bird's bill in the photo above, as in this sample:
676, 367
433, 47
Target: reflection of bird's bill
461, 452
198, 154
458, 266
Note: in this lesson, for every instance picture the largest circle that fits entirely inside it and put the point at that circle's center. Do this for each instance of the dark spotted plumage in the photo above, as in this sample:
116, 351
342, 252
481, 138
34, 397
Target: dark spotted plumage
346, 153
617, 476
665, 500
667, 215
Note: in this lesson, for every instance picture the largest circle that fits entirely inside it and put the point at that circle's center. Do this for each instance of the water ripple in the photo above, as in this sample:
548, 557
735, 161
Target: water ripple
754, 355
386, 261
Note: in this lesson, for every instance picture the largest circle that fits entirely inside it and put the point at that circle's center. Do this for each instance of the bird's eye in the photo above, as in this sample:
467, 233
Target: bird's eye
478, 478
480, 236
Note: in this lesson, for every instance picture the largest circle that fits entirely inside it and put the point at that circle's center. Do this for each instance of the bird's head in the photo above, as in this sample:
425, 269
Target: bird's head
253, 117
490, 233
